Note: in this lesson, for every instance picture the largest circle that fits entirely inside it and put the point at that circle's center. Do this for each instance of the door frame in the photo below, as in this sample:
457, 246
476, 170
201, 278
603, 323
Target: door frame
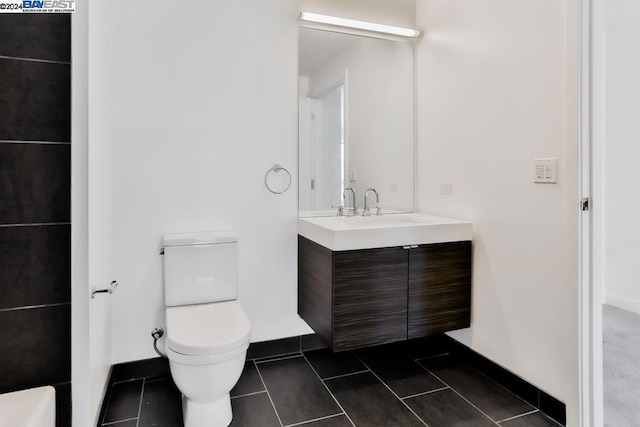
591, 235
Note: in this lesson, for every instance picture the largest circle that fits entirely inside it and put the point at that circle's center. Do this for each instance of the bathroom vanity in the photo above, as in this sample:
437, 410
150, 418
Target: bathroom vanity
371, 281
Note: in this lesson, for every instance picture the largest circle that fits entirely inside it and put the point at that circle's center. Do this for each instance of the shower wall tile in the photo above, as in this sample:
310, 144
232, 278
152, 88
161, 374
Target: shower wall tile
36, 36
35, 182
35, 188
36, 347
35, 101
35, 262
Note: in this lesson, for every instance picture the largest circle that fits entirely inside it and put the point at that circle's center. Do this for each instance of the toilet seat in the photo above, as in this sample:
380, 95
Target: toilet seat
186, 359
207, 330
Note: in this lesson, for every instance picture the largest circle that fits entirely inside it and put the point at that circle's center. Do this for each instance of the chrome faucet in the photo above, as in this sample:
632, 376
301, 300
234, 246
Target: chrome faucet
366, 211
350, 212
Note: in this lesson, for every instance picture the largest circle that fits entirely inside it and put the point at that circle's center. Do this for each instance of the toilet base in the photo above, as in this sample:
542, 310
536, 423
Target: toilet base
210, 414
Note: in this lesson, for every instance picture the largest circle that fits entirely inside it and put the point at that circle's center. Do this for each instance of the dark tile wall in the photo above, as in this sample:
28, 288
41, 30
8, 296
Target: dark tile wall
35, 200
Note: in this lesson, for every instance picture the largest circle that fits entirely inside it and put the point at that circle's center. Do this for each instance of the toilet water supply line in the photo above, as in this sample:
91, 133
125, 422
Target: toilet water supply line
157, 333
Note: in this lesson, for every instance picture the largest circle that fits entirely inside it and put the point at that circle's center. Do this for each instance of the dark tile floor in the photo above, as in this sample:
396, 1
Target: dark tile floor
386, 386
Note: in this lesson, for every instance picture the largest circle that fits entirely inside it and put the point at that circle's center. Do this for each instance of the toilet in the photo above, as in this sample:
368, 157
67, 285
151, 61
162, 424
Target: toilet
207, 330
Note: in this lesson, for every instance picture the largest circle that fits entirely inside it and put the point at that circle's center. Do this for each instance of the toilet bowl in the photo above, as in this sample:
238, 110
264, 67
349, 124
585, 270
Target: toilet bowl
207, 338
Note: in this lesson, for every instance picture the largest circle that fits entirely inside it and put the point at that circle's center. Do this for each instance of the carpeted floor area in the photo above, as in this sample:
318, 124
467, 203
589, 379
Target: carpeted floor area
621, 342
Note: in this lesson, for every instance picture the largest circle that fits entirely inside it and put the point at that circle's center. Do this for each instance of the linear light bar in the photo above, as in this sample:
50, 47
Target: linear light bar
360, 25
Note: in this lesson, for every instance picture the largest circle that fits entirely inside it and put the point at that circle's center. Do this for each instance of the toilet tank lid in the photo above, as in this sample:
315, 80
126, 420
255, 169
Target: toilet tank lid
200, 238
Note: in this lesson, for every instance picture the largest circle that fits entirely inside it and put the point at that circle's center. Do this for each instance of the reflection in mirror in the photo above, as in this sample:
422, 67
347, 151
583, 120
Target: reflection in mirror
355, 121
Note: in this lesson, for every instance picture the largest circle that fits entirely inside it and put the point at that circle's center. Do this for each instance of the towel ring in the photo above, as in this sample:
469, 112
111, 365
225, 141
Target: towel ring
277, 168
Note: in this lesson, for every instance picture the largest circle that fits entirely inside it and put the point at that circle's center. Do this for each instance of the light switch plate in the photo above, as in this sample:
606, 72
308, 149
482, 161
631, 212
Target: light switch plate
545, 170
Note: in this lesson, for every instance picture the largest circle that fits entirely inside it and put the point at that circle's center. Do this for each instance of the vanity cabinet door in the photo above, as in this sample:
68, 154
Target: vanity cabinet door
369, 297
439, 288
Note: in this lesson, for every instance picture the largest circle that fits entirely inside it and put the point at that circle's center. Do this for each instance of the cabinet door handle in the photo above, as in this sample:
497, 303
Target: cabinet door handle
406, 247
413, 246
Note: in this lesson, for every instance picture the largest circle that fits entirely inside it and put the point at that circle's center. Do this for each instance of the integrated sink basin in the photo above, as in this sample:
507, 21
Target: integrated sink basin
343, 233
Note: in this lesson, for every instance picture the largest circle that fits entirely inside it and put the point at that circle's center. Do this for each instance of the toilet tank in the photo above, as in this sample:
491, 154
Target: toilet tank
200, 267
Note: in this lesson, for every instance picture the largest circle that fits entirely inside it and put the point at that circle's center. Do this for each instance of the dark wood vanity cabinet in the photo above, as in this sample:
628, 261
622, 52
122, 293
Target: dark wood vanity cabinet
439, 288
369, 297
362, 298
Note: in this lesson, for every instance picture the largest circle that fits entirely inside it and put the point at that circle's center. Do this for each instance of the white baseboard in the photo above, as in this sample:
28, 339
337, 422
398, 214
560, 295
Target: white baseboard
622, 303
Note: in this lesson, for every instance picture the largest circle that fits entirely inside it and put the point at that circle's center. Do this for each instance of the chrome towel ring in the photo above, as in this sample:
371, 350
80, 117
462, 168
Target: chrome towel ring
277, 169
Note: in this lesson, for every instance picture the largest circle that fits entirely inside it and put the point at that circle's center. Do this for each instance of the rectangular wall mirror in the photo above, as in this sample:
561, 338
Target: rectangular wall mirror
356, 121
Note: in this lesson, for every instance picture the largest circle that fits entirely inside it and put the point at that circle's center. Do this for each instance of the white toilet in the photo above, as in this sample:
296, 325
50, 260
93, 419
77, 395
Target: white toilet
207, 330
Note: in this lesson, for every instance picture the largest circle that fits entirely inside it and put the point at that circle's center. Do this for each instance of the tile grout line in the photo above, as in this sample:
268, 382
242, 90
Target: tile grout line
329, 391
505, 388
530, 413
34, 224
111, 423
106, 403
344, 375
277, 358
465, 399
392, 392
128, 381
24, 141
32, 307
144, 380
248, 394
268, 394
301, 423
456, 392
419, 359
45, 61
425, 392
154, 379
560, 425
518, 416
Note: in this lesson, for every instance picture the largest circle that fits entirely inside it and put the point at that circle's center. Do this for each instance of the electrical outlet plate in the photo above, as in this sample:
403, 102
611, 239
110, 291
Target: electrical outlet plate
446, 189
545, 170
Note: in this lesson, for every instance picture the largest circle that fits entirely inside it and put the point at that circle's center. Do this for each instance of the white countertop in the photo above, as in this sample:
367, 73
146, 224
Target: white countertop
342, 233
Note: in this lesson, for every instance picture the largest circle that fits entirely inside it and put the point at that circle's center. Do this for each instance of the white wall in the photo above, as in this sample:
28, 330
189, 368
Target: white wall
621, 153
497, 88
100, 203
80, 380
203, 105
91, 213
202, 111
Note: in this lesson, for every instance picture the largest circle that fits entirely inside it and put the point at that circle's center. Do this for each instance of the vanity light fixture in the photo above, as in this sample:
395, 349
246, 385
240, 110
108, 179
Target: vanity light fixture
360, 25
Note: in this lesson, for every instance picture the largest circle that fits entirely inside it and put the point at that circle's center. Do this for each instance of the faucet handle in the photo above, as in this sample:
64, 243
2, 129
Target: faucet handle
341, 211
